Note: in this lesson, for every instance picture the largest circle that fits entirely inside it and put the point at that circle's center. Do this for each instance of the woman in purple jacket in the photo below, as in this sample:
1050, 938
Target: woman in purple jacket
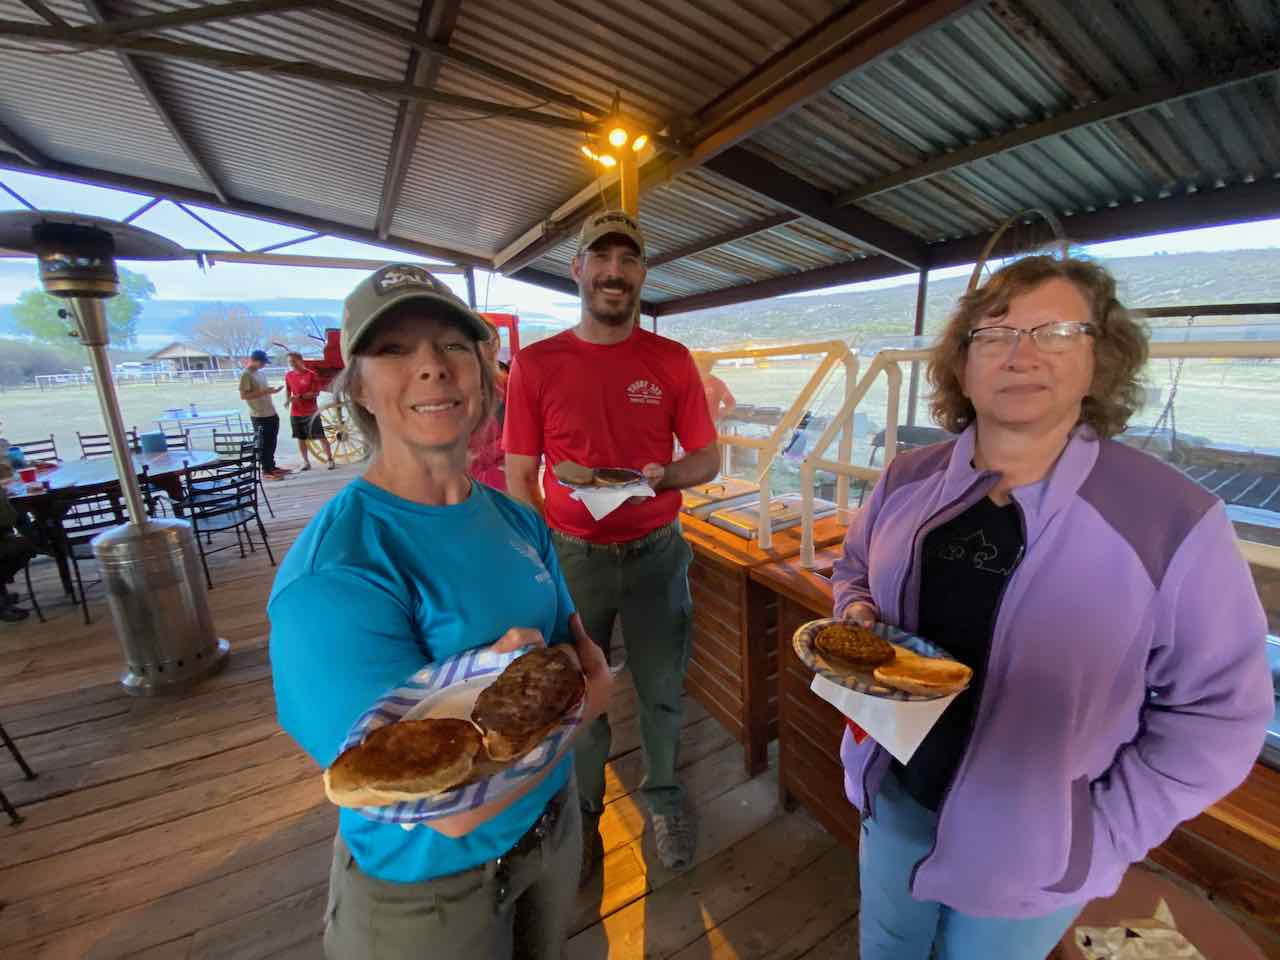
1120, 682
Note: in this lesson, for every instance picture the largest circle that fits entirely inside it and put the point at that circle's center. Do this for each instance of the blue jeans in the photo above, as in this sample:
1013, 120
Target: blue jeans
893, 925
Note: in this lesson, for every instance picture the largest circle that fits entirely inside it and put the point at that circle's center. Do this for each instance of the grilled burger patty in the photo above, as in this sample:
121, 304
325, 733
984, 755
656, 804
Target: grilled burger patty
527, 700
853, 644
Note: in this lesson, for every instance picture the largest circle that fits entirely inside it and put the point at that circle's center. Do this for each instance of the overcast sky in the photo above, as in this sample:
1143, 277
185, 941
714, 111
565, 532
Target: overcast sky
183, 280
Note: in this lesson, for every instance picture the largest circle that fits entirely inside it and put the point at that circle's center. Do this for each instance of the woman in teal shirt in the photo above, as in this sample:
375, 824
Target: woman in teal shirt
411, 564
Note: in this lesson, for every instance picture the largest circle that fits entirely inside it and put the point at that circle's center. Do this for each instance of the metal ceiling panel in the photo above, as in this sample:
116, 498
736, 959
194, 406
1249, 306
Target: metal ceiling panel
83, 107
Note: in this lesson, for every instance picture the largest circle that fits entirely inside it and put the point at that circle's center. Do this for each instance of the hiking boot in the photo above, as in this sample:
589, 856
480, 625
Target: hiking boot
592, 847
676, 837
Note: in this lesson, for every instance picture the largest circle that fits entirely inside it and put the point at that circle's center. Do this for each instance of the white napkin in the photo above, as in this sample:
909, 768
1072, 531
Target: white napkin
602, 501
899, 726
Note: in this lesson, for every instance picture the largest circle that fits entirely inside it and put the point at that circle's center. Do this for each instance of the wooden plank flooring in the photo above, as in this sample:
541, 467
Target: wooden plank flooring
192, 828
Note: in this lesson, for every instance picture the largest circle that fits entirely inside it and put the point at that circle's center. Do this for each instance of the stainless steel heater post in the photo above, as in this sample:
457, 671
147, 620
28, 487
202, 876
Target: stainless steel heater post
150, 567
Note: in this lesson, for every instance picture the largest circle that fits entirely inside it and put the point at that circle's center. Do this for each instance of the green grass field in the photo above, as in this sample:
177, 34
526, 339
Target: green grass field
29, 413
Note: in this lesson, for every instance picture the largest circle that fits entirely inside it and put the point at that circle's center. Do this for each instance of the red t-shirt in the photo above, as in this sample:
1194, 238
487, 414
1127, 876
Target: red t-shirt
304, 382
614, 405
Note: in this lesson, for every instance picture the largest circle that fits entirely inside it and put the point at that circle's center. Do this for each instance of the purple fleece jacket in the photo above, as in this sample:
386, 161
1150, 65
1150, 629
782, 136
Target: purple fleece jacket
1127, 685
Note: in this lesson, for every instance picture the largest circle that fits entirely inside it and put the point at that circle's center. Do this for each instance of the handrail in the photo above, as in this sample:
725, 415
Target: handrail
836, 352
887, 361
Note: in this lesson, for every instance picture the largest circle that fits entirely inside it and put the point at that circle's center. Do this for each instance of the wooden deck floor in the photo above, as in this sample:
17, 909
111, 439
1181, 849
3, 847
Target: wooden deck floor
194, 828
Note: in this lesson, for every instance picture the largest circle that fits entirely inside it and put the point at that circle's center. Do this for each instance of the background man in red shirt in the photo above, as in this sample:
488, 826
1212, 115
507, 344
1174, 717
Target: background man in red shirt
302, 386
609, 394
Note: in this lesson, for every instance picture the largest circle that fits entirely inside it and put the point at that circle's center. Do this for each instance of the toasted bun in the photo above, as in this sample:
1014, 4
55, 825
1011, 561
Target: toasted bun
527, 701
926, 676
857, 646
409, 760
571, 472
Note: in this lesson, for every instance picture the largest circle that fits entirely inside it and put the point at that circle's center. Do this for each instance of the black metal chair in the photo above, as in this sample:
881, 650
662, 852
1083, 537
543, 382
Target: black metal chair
31, 593
909, 436
232, 445
180, 440
99, 444
88, 514
14, 817
220, 498
38, 449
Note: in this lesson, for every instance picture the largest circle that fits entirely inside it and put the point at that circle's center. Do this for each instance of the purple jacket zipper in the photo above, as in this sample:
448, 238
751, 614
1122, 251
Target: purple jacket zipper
986, 673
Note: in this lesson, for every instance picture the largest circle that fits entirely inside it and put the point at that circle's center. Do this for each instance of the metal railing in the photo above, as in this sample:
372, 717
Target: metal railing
888, 362
833, 353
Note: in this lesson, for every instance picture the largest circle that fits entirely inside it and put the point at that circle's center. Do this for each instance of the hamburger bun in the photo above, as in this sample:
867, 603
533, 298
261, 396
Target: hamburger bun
853, 645
926, 676
408, 760
571, 472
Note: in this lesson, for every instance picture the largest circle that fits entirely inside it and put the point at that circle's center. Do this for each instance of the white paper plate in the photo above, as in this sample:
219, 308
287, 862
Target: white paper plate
863, 681
449, 689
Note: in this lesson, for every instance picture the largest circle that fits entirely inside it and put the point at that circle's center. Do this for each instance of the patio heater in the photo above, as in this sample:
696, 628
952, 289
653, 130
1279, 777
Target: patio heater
150, 566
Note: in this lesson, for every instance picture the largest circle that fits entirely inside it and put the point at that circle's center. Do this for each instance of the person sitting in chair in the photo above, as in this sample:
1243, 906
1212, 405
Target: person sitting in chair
16, 552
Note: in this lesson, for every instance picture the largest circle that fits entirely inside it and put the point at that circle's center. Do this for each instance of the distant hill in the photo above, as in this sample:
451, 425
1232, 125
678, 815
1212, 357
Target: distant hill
1238, 276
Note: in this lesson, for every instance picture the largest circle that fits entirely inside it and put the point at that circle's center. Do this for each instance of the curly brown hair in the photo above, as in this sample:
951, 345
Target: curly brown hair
1119, 343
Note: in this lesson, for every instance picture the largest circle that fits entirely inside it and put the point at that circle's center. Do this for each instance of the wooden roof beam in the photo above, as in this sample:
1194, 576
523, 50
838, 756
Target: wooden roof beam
1235, 204
1113, 108
733, 235
202, 14
93, 38
140, 80
18, 146
167, 191
846, 42
770, 181
436, 20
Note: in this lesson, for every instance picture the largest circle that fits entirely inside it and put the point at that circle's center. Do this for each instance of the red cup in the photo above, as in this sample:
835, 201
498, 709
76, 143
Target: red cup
27, 474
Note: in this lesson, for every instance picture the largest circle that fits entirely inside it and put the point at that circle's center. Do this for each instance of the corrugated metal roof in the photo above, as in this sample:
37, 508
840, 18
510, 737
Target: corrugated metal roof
1015, 63
57, 101
474, 184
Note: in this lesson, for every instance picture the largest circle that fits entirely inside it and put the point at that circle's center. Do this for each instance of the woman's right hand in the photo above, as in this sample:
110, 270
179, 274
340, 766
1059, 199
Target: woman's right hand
862, 613
595, 668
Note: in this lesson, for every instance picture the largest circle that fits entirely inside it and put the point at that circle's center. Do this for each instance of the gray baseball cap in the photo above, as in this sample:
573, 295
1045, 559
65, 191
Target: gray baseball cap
395, 284
608, 222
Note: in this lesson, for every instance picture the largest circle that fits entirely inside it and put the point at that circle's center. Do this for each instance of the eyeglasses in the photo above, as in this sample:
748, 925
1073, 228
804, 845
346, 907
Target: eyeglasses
1056, 337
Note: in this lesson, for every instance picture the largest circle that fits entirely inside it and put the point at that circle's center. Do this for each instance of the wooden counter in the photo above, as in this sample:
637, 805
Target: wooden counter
733, 666
1231, 852
809, 728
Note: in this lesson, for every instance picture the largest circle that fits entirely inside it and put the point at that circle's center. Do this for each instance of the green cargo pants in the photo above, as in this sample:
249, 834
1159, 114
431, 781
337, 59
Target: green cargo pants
646, 581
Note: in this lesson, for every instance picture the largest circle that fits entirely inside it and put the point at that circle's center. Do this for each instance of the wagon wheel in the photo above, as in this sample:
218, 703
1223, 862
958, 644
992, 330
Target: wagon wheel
345, 439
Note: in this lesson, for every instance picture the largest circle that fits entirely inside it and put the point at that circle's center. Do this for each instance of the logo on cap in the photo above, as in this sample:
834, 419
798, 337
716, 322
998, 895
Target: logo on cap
615, 217
401, 275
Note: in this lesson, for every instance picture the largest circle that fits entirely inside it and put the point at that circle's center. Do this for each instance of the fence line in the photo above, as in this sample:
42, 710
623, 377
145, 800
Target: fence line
52, 381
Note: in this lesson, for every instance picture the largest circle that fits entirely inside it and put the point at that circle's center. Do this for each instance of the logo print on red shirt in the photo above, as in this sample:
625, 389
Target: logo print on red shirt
642, 391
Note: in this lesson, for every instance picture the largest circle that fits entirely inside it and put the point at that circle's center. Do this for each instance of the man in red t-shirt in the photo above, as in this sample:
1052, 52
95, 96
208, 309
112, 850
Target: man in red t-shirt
301, 387
609, 394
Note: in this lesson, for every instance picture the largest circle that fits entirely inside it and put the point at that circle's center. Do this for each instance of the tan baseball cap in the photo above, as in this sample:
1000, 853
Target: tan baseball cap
395, 284
610, 221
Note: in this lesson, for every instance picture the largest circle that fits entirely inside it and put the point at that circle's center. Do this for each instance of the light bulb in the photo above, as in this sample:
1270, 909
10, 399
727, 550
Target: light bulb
640, 142
588, 152
606, 160
618, 137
